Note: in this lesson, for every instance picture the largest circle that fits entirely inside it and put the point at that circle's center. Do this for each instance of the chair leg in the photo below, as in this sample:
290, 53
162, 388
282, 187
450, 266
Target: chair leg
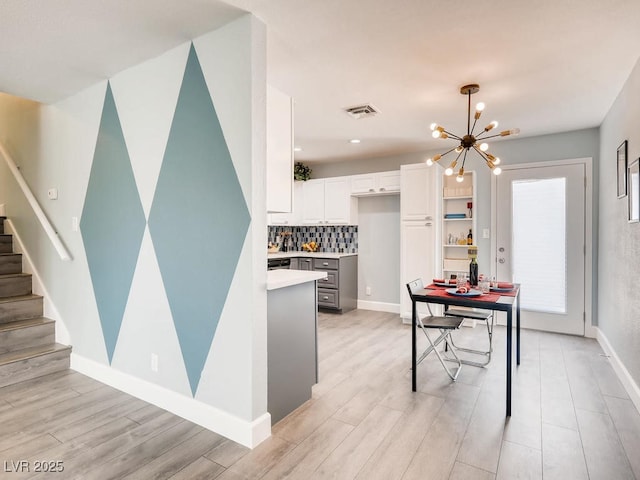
478, 352
446, 336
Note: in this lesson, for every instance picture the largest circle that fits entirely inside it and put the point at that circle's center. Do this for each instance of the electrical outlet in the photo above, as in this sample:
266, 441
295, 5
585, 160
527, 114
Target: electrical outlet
52, 193
486, 233
154, 362
367, 291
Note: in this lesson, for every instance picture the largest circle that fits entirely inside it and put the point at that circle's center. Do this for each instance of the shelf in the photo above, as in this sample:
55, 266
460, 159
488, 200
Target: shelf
457, 246
458, 198
457, 219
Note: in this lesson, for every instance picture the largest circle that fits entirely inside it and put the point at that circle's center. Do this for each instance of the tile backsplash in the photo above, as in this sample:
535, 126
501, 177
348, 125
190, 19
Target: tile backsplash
331, 238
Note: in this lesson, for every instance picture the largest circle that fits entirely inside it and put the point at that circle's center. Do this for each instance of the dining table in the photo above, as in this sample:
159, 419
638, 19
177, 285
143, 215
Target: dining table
504, 300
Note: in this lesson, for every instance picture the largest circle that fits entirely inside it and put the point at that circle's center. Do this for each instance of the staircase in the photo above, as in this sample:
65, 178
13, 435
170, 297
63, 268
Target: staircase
27, 339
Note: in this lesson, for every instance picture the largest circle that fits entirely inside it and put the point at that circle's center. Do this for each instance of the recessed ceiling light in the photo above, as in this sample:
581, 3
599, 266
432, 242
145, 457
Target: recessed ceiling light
297, 149
354, 140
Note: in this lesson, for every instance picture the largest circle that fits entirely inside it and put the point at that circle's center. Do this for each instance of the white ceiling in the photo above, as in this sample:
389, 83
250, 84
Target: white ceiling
544, 66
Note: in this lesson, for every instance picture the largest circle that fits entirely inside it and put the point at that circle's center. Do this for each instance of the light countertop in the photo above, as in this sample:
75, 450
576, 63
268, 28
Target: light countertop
287, 278
309, 254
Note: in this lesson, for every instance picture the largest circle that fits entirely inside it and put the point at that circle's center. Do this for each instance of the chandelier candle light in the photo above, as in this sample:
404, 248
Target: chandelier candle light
470, 141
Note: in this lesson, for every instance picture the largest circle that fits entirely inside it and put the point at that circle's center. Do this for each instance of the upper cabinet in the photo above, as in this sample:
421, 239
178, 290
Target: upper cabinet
375, 183
328, 201
418, 186
279, 171
295, 216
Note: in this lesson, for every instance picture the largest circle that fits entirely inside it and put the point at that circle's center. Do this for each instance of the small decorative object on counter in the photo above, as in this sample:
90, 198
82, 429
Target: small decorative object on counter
473, 266
301, 172
470, 208
286, 241
310, 247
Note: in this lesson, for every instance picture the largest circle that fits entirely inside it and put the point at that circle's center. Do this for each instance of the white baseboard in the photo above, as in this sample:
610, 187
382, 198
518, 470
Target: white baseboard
379, 306
249, 434
623, 374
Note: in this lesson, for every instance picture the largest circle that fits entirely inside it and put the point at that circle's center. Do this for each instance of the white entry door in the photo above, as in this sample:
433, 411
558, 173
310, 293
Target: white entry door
540, 243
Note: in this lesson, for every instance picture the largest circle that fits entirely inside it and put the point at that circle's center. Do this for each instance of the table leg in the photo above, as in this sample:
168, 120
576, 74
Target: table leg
509, 355
518, 328
413, 345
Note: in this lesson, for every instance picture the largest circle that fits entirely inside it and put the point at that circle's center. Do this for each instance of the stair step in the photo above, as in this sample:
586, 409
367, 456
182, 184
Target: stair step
10, 263
22, 334
20, 308
6, 243
15, 284
21, 365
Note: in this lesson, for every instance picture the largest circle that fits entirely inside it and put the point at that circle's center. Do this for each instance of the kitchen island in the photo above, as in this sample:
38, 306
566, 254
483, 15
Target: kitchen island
292, 344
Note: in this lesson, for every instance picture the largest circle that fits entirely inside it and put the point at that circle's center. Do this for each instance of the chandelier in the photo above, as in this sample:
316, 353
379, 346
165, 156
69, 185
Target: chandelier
470, 140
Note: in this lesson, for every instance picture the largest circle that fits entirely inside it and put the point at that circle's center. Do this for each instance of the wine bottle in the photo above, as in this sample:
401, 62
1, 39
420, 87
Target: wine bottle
470, 238
473, 272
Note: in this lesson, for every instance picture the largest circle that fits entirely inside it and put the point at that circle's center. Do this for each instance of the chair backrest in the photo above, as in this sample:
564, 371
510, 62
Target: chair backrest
414, 286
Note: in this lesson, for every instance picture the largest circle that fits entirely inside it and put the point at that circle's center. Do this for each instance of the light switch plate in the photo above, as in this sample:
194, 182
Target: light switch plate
52, 193
486, 233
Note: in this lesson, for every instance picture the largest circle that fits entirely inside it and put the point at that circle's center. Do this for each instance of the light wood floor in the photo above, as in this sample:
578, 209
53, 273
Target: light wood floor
571, 419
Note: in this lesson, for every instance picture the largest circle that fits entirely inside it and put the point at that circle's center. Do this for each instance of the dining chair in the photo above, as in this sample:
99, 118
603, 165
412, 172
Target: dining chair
485, 316
445, 325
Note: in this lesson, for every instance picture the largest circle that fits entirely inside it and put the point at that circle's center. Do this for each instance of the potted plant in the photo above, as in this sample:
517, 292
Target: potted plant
301, 172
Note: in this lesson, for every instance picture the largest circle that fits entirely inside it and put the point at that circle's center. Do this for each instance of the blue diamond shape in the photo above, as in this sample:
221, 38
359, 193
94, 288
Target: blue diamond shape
112, 223
198, 220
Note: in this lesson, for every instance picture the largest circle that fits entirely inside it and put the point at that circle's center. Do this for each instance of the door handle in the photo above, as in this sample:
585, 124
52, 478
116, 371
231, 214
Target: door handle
501, 260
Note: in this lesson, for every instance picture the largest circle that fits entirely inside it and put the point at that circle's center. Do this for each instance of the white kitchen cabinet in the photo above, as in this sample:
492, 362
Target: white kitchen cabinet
418, 192
381, 183
279, 171
328, 201
419, 249
417, 258
313, 208
295, 216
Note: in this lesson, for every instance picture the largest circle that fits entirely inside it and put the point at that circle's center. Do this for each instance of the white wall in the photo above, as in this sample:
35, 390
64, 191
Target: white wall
231, 396
618, 298
379, 251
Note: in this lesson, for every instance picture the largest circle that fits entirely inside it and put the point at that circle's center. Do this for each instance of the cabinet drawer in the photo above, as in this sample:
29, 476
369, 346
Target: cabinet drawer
326, 263
328, 298
331, 281
305, 264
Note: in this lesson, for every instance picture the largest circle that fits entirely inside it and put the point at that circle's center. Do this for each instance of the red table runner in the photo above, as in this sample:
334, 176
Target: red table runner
438, 291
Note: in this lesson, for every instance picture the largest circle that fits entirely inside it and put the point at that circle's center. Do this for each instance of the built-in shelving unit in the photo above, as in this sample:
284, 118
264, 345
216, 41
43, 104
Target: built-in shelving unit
456, 197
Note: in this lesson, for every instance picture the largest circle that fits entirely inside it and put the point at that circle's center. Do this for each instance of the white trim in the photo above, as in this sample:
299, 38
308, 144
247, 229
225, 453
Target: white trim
589, 329
50, 311
35, 206
241, 431
379, 306
623, 374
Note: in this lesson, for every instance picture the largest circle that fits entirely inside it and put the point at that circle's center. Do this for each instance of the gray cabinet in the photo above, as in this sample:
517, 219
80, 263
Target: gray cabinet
339, 291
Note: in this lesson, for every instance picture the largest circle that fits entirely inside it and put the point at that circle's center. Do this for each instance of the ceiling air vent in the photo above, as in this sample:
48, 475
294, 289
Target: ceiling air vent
362, 111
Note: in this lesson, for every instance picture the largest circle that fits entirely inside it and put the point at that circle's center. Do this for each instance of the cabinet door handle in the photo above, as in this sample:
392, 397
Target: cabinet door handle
382, 189
428, 224
428, 217
372, 190
325, 298
326, 264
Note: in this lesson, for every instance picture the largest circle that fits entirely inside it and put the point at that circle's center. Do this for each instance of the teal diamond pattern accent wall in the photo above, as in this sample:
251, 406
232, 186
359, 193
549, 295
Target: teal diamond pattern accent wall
198, 220
112, 223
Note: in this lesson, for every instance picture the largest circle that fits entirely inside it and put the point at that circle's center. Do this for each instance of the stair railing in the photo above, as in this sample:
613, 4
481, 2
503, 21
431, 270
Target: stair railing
35, 206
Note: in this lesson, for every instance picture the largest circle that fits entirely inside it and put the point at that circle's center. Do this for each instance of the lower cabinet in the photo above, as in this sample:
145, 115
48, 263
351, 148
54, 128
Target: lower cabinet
339, 291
